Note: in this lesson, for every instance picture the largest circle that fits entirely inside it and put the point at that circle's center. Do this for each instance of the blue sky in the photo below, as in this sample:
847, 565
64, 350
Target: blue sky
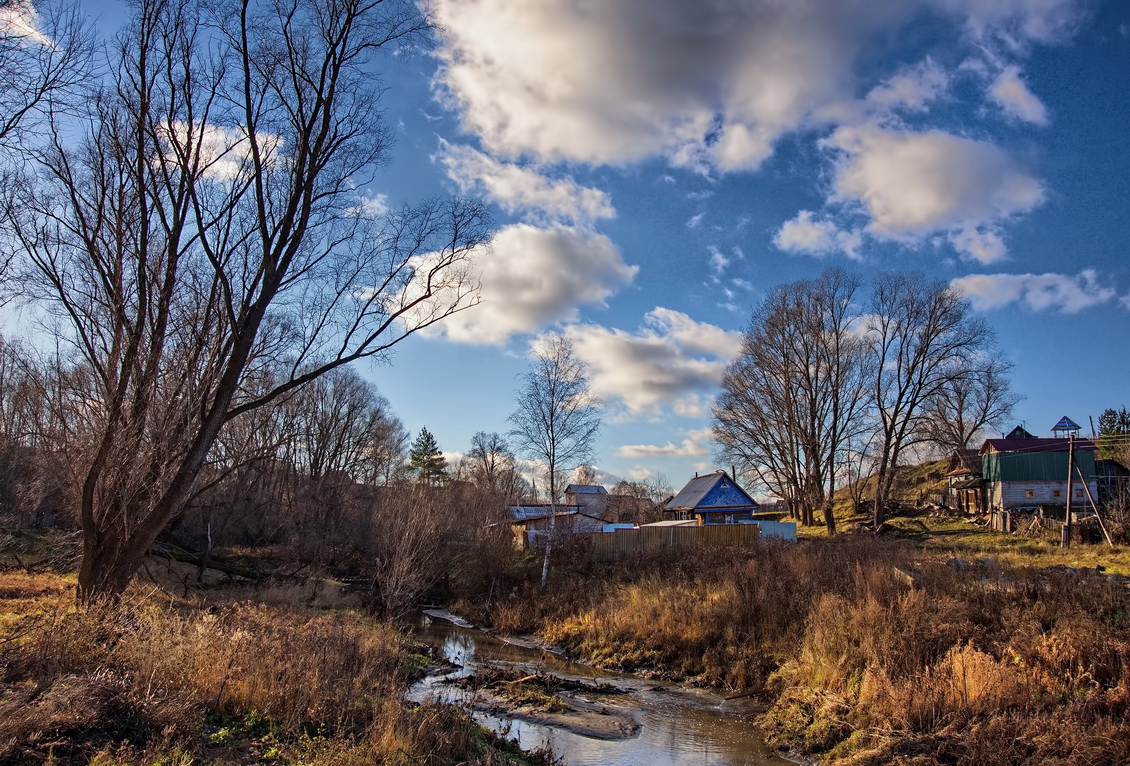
657, 166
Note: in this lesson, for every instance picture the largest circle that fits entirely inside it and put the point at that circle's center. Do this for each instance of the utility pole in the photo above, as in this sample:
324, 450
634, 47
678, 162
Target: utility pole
1065, 534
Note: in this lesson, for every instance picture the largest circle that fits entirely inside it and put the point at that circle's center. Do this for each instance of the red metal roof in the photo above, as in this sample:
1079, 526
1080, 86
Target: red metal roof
1035, 445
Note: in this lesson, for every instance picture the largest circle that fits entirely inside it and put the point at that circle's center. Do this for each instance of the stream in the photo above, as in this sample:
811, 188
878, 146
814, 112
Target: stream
677, 724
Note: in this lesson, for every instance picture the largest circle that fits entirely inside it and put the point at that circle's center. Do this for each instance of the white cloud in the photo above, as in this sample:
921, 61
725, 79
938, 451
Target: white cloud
688, 448
523, 190
980, 243
804, 234
703, 85
374, 206
673, 361
718, 260
1018, 22
915, 184
695, 221
19, 21
911, 89
1012, 95
700, 84
1038, 292
531, 277
224, 153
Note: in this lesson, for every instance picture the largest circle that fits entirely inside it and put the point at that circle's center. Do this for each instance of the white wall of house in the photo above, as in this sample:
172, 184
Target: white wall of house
1016, 494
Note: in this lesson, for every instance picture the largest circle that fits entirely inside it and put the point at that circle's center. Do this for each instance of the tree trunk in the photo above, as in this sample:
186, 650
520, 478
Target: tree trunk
108, 564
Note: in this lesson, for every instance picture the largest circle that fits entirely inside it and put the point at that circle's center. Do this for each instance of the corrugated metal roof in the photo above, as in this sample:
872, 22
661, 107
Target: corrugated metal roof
1036, 445
586, 489
528, 512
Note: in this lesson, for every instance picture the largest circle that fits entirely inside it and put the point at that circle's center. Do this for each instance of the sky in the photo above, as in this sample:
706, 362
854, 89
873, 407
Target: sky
657, 167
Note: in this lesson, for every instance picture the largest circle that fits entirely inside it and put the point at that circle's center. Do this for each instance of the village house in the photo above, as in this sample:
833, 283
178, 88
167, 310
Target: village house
1024, 471
593, 498
711, 499
965, 489
717, 499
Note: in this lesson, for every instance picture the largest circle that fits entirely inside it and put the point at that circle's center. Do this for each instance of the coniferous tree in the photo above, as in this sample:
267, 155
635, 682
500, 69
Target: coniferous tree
425, 460
1114, 434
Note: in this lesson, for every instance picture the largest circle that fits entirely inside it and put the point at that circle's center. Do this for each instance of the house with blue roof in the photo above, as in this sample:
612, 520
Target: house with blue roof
712, 499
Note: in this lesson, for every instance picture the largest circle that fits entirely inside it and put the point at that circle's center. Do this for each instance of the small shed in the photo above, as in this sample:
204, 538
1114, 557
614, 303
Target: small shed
531, 524
712, 499
966, 490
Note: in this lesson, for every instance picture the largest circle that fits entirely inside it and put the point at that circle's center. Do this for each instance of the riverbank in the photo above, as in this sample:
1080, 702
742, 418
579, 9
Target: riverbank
537, 704
160, 680
867, 651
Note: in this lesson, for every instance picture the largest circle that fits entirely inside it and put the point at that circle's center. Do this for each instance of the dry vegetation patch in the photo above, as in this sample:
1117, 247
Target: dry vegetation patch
141, 681
873, 650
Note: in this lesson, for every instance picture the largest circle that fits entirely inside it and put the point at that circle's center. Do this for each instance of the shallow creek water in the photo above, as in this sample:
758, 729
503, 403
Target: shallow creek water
678, 724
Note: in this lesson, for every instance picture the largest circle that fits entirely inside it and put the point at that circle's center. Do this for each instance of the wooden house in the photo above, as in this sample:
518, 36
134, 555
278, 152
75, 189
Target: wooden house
1023, 471
965, 489
593, 498
712, 499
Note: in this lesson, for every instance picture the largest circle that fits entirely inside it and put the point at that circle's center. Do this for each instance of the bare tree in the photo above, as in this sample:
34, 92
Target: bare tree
923, 339
492, 466
966, 405
208, 228
46, 56
557, 419
339, 417
795, 396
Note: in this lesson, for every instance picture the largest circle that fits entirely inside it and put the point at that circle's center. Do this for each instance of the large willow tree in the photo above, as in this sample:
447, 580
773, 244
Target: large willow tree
200, 239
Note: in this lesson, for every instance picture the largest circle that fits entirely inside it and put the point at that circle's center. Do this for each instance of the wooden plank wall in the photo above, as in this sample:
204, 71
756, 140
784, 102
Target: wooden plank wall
612, 546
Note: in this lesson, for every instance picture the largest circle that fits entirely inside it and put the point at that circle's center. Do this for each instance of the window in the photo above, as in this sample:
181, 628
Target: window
1078, 493
1057, 493
1029, 493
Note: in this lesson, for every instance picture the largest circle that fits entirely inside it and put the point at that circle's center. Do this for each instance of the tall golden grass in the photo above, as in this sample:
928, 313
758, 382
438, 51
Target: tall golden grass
871, 650
141, 681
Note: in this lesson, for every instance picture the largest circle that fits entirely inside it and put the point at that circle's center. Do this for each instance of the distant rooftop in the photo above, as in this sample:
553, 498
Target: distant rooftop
586, 489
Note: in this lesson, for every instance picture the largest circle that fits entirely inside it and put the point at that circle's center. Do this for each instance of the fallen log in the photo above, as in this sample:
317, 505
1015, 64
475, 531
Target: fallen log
220, 565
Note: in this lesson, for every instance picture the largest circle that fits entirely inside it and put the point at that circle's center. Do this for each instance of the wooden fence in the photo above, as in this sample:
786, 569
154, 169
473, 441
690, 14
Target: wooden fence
612, 546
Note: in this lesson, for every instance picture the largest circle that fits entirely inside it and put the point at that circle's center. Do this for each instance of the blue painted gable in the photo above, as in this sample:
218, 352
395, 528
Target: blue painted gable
726, 494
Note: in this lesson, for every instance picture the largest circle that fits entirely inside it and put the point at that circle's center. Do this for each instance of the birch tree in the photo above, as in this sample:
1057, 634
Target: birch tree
557, 419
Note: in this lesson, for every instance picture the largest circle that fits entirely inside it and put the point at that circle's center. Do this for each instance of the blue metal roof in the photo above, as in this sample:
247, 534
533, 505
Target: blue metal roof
715, 490
1065, 424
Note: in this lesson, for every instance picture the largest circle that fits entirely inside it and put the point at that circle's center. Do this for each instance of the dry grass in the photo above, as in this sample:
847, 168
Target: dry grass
148, 682
874, 651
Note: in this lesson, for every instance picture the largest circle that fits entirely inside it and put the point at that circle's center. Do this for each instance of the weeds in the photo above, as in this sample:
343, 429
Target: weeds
142, 682
872, 651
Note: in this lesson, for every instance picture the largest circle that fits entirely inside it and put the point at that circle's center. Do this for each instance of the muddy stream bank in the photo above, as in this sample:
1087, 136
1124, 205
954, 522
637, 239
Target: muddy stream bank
601, 719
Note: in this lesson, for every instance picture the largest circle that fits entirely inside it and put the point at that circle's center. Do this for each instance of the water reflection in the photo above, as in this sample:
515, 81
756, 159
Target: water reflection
680, 725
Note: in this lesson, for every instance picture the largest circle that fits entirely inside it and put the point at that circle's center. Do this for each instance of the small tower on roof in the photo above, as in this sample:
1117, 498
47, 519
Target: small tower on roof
1065, 427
